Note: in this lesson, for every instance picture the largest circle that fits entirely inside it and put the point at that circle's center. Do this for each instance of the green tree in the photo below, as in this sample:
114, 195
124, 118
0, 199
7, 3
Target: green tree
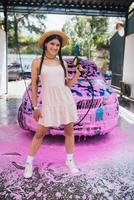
32, 24
87, 31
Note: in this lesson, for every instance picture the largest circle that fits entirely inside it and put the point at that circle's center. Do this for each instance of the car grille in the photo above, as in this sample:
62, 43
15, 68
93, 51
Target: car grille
85, 104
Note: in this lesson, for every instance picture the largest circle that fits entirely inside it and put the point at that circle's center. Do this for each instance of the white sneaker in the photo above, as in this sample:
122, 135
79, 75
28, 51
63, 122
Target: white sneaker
28, 170
71, 165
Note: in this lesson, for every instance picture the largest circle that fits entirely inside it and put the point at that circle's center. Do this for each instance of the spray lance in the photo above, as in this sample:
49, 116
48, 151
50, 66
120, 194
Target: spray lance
77, 60
77, 64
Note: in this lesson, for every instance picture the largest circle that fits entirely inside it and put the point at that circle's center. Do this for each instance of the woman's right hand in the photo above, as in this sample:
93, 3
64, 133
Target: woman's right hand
36, 114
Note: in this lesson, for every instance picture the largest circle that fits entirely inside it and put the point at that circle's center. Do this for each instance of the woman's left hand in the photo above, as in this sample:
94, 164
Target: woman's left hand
79, 69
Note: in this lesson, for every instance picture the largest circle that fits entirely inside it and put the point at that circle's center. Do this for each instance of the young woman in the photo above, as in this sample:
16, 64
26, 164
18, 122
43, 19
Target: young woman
58, 106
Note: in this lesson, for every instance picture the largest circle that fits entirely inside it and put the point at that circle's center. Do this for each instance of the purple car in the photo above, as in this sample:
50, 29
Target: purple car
97, 104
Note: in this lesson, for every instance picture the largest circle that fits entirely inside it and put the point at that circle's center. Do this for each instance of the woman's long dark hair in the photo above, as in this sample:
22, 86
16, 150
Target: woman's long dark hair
59, 53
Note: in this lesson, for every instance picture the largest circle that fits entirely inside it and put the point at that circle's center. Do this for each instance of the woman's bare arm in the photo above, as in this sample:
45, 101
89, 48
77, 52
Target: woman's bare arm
71, 82
34, 77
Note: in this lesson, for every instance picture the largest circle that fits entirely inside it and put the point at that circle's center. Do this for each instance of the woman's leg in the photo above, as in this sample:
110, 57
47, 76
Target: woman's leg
36, 142
69, 138
69, 145
37, 139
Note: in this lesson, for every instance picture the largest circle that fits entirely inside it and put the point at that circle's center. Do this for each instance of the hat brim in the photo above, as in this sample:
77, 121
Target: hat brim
54, 32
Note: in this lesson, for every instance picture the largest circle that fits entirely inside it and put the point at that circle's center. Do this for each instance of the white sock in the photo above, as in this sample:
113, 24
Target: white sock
69, 157
29, 159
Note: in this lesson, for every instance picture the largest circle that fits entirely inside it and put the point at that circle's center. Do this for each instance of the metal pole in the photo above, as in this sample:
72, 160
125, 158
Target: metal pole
5, 28
126, 32
126, 24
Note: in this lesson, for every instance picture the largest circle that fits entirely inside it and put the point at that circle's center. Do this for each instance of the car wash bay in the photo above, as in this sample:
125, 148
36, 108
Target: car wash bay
106, 162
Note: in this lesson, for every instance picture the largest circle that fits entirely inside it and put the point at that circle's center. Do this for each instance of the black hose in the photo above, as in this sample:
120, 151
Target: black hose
90, 106
18, 50
76, 62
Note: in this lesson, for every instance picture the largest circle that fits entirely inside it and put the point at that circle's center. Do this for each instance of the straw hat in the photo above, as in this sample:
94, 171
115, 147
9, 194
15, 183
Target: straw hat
53, 32
119, 24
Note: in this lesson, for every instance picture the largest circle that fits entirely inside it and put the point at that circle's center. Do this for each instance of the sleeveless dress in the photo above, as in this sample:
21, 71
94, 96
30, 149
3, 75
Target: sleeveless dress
58, 105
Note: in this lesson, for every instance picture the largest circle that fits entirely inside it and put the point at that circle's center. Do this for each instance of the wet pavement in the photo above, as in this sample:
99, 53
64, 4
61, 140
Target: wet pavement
106, 163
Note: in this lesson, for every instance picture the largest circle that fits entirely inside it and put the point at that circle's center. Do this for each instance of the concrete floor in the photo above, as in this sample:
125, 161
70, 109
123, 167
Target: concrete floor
129, 105
106, 163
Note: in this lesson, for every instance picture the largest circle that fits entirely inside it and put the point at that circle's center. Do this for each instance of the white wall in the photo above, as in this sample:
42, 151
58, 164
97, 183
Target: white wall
3, 79
128, 67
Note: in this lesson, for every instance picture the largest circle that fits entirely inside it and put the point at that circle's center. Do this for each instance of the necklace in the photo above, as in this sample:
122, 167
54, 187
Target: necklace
50, 58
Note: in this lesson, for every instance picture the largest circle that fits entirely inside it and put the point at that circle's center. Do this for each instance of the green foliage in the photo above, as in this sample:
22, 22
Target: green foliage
26, 41
69, 50
21, 25
88, 32
30, 49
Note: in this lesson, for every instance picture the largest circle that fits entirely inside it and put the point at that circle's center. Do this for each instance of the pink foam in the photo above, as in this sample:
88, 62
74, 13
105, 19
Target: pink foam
52, 150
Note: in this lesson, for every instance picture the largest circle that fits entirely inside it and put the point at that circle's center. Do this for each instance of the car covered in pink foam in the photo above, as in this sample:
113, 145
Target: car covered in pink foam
97, 104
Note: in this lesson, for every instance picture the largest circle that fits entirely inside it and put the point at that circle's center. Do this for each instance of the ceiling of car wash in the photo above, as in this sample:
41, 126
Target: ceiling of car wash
69, 7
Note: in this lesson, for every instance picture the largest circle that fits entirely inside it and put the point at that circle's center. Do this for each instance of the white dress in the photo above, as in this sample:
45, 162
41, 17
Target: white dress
58, 105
